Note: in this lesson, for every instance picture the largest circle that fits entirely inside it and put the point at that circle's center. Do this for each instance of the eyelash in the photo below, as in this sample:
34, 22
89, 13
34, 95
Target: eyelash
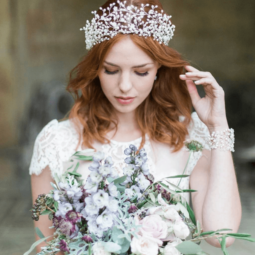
112, 73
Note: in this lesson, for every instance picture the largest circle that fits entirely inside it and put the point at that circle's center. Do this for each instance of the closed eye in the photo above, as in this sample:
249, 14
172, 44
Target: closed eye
114, 72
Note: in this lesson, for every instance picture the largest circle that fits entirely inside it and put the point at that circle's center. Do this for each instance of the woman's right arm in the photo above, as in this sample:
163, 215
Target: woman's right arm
41, 185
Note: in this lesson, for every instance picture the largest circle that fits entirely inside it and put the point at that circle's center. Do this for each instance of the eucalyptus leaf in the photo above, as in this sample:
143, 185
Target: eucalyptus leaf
35, 244
39, 233
178, 176
191, 214
111, 247
53, 185
76, 167
85, 158
223, 245
188, 247
152, 197
239, 235
45, 212
120, 180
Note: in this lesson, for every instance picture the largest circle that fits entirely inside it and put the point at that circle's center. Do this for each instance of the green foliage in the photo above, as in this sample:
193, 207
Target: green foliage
191, 214
188, 247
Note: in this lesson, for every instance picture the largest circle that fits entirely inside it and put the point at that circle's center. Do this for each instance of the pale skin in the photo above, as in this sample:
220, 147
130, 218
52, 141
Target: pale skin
217, 203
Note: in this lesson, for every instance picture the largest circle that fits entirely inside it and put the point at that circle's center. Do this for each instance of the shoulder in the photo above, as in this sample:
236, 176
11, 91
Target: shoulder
55, 144
198, 131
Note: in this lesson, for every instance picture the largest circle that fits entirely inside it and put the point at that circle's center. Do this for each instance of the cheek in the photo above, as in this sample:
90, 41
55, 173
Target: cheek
145, 86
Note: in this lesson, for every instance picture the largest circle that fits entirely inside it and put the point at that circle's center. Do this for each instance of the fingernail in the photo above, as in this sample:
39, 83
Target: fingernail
197, 82
188, 73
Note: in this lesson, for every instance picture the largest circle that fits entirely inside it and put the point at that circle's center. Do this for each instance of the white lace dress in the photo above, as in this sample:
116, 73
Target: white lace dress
57, 142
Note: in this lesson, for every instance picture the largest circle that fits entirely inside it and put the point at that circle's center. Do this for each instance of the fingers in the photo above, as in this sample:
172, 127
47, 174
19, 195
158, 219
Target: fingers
193, 92
199, 78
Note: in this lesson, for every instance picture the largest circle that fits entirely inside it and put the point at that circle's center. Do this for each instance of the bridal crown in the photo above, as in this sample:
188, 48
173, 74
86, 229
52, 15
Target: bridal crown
128, 20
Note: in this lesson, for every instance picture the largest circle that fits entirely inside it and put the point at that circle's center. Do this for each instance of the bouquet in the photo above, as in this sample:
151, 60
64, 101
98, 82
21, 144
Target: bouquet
129, 214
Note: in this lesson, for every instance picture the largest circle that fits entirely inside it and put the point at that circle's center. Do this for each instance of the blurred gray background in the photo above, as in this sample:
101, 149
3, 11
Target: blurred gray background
40, 43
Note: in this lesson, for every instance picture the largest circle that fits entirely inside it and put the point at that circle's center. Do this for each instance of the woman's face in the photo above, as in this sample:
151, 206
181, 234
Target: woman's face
127, 75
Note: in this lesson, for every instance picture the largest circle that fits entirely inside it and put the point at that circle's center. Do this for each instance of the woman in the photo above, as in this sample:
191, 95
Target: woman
133, 88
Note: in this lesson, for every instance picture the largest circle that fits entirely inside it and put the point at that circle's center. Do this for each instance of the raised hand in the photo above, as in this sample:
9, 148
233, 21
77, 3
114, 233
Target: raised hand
211, 108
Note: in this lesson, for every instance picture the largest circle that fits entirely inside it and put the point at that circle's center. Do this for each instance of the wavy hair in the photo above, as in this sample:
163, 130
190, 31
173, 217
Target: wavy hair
158, 115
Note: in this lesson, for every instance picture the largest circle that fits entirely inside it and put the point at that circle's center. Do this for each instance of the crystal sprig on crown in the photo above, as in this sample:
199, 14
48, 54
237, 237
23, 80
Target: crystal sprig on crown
128, 20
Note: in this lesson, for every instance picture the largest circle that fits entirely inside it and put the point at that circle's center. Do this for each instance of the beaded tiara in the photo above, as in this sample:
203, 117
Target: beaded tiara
128, 20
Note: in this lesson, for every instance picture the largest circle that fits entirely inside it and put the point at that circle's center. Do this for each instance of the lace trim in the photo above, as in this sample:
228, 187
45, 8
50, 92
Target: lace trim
54, 145
198, 131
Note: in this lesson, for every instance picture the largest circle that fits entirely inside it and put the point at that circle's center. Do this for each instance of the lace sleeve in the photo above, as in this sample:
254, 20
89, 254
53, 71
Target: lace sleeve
198, 131
45, 151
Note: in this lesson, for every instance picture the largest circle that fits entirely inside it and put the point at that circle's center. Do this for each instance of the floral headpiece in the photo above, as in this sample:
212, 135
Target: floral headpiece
128, 20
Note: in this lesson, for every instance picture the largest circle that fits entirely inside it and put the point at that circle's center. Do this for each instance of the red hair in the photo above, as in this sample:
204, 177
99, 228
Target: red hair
158, 116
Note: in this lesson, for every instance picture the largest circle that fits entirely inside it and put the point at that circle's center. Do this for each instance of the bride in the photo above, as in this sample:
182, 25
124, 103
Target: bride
132, 88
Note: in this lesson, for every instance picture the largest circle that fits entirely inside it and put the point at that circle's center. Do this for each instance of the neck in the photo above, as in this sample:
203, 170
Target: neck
127, 129
127, 122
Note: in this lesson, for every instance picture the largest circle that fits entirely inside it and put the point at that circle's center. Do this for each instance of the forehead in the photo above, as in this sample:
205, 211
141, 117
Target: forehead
126, 53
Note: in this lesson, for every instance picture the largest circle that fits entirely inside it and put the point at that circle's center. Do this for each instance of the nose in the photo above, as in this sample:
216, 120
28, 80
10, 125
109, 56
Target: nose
125, 83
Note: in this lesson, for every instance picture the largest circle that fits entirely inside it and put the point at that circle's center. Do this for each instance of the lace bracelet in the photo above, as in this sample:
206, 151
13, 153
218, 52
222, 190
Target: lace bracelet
224, 140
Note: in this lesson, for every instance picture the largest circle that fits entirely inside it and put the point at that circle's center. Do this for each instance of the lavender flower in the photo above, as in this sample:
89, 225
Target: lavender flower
94, 166
127, 151
130, 160
63, 246
108, 161
78, 206
96, 177
98, 156
113, 190
129, 169
105, 170
113, 205
90, 186
132, 147
101, 199
105, 220
91, 208
145, 168
63, 208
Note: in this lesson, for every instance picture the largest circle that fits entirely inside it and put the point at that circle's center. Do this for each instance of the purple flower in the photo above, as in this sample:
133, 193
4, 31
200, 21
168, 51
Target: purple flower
127, 151
66, 227
73, 216
63, 246
129, 160
132, 209
132, 147
87, 239
56, 220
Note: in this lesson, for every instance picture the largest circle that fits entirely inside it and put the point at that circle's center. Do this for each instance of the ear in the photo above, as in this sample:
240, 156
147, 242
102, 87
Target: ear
159, 65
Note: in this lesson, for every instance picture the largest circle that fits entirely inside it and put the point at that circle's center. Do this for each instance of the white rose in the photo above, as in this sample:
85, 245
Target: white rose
171, 214
98, 249
155, 227
171, 250
144, 246
181, 230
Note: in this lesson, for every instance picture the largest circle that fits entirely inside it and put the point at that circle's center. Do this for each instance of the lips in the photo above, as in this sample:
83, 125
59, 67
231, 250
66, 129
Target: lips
125, 100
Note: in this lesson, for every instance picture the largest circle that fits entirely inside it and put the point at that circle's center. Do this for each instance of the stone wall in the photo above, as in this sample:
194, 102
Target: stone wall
41, 42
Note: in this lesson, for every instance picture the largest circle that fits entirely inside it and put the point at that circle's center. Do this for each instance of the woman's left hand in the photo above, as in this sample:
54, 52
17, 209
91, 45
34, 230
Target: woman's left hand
211, 108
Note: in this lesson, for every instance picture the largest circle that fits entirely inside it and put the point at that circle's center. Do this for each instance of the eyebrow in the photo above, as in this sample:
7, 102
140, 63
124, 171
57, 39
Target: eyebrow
111, 64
